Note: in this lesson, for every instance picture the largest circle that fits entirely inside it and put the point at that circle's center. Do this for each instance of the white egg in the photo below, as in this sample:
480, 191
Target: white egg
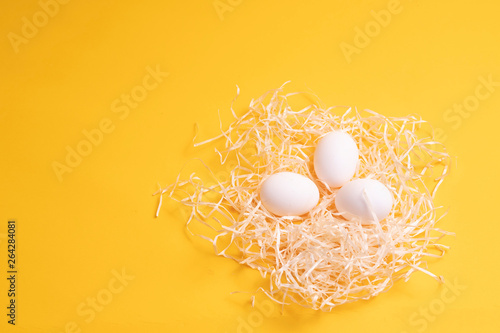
355, 198
289, 194
336, 158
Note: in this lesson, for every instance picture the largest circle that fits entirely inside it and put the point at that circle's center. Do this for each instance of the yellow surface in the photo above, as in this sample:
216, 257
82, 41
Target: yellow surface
78, 230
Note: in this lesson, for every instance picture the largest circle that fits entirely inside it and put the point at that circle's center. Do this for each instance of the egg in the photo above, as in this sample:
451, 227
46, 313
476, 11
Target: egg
289, 194
352, 203
336, 158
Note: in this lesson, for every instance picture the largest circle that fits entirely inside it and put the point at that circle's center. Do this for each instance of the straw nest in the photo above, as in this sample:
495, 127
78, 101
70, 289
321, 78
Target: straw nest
319, 260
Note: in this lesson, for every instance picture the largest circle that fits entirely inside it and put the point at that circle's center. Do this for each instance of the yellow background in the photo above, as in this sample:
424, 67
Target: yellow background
75, 234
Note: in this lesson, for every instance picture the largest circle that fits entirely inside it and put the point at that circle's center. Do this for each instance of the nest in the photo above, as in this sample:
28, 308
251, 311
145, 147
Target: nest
319, 260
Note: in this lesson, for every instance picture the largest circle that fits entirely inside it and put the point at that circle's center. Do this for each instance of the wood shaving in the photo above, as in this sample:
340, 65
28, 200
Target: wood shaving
319, 260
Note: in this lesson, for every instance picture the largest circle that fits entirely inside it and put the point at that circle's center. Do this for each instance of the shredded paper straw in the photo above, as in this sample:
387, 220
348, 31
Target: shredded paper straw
319, 260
